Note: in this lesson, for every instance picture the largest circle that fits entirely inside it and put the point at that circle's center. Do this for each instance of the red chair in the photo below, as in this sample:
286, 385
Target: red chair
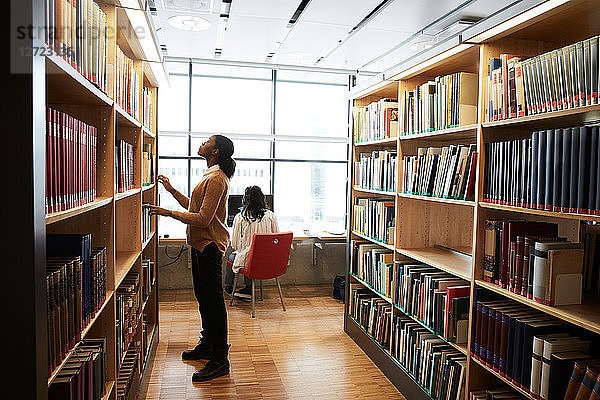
268, 259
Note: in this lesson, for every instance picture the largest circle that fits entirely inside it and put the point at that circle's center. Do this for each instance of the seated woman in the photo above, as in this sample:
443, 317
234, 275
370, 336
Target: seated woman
254, 218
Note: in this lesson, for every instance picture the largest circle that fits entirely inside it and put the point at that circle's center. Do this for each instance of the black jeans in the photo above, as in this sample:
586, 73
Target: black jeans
207, 278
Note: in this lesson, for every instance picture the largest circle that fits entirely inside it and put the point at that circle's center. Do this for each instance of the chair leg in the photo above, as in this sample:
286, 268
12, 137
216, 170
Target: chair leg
280, 295
253, 297
261, 292
235, 276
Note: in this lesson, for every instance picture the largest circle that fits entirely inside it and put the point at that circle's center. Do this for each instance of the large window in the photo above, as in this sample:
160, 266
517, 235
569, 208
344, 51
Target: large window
290, 134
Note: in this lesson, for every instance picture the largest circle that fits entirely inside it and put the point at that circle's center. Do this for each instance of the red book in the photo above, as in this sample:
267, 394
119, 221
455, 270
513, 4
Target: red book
48, 160
491, 329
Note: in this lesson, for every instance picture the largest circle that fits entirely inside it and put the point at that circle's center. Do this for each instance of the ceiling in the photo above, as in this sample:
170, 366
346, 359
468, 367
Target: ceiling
386, 31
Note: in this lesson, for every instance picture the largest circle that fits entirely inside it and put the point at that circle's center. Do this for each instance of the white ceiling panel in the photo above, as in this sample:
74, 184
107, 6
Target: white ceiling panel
309, 38
264, 8
240, 45
362, 47
420, 13
338, 12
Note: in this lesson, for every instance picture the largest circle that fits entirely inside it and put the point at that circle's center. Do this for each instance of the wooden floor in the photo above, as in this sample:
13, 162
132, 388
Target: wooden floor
302, 353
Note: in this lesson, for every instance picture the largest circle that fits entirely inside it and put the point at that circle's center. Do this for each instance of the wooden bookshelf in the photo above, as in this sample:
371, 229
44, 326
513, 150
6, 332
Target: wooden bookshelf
72, 212
454, 263
373, 191
373, 240
379, 142
448, 234
437, 199
113, 218
544, 213
457, 132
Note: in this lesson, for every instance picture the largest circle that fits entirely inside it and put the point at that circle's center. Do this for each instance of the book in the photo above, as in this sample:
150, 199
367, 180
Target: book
374, 218
377, 170
541, 273
561, 366
579, 371
71, 147
375, 121
552, 346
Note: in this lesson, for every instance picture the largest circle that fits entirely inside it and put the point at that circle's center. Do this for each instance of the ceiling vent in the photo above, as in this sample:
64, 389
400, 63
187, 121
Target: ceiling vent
163, 49
195, 6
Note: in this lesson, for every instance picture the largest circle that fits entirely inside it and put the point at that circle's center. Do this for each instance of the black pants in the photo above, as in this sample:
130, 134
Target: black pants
207, 279
229, 274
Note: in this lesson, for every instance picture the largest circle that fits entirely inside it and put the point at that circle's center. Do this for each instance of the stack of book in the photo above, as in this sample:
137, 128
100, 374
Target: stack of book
554, 170
76, 289
371, 312
437, 299
128, 311
531, 349
557, 80
530, 259
124, 156
127, 90
434, 364
375, 219
377, 171
77, 30
146, 224
128, 380
378, 120
70, 161
83, 372
445, 102
147, 277
148, 108
147, 165
374, 265
447, 172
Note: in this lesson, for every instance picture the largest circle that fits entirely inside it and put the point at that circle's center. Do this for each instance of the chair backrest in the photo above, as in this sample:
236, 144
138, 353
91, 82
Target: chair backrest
269, 255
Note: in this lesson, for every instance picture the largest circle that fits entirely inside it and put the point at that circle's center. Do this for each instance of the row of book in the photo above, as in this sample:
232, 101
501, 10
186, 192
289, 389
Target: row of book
530, 259
374, 265
376, 121
375, 218
83, 375
377, 171
70, 161
437, 299
148, 108
147, 276
127, 85
444, 102
433, 363
77, 30
447, 172
585, 377
147, 164
128, 380
124, 166
76, 286
371, 312
533, 350
146, 224
556, 80
554, 170
129, 303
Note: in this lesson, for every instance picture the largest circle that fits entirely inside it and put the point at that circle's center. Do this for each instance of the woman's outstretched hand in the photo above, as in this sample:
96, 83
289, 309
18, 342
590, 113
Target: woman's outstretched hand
166, 183
156, 210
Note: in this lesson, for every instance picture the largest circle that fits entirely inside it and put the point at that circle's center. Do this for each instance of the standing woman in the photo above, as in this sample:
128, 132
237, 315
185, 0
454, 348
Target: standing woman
208, 236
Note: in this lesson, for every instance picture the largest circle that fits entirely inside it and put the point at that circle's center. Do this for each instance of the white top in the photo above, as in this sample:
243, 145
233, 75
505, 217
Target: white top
243, 231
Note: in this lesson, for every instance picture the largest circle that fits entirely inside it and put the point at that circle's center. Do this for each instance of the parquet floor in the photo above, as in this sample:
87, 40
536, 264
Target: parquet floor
302, 353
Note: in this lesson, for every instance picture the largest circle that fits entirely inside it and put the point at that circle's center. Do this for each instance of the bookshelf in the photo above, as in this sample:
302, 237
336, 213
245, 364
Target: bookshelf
446, 233
113, 218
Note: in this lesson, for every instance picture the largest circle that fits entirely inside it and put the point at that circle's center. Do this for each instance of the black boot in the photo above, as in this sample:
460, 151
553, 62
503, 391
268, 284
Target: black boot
217, 366
203, 351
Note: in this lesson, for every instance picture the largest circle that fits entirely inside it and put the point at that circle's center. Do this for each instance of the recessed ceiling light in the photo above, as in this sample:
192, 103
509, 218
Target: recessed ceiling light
189, 23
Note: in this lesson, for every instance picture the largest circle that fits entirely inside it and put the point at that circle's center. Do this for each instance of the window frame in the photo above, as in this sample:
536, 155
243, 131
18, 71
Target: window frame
273, 138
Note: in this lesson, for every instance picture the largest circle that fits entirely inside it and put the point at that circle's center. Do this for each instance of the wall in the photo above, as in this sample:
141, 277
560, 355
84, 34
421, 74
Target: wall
301, 271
